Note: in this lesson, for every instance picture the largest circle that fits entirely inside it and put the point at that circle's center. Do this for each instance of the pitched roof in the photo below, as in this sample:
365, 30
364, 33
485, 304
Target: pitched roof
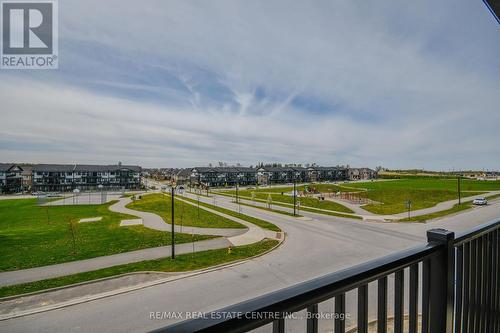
184, 172
53, 167
82, 167
224, 169
320, 168
4, 167
100, 168
277, 169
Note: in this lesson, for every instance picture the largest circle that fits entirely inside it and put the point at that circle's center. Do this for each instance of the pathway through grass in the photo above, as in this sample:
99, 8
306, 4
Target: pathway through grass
185, 214
32, 235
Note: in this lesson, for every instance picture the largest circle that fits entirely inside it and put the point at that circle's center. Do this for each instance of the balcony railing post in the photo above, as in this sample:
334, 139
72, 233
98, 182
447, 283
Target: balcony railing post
442, 282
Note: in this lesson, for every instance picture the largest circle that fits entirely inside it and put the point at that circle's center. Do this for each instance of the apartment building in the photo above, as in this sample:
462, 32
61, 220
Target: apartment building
67, 177
267, 175
223, 176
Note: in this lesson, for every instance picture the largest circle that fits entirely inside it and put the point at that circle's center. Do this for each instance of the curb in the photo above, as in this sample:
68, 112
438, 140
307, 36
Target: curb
119, 291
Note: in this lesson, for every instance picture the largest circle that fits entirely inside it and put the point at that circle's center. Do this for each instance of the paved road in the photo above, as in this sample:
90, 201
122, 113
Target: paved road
315, 247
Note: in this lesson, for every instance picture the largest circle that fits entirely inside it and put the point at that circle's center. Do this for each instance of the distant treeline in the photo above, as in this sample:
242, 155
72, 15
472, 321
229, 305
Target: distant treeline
407, 176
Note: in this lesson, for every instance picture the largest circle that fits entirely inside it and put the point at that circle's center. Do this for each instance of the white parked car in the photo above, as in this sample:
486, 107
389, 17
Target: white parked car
480, 201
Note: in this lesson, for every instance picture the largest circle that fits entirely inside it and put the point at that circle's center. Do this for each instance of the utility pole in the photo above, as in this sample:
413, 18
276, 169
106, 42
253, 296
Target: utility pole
173, 223
458, 188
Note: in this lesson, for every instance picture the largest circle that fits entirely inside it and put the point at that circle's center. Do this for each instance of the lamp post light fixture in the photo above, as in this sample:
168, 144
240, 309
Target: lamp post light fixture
294, 197
238, 177
295, 175
173, 187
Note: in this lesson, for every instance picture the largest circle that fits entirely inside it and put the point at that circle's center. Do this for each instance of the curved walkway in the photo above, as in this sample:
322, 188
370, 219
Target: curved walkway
154, 221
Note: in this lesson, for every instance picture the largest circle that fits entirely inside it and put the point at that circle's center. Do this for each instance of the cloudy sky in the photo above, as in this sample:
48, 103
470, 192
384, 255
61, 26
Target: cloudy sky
182, 83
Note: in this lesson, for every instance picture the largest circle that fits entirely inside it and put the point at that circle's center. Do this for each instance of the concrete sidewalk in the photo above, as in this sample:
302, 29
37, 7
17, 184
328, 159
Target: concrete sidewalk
87, 265
441, 206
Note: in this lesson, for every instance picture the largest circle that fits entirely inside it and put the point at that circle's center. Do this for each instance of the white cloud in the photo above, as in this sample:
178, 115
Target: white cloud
395, 100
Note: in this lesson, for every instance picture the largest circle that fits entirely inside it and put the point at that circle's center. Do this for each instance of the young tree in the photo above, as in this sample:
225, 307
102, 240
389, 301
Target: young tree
269, 201
73, 232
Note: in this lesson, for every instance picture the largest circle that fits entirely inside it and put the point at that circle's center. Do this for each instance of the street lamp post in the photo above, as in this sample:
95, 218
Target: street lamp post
458, 188
173, 222
238, 177
295, 175
294, 196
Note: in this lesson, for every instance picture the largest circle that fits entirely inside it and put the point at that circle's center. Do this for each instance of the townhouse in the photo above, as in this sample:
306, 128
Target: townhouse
11, 180
67, 177
267, 175
223, 176
325, 174
361, 173
181, 176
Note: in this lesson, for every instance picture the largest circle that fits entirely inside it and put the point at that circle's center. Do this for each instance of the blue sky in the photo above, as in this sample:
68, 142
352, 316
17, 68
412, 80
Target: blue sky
183, 83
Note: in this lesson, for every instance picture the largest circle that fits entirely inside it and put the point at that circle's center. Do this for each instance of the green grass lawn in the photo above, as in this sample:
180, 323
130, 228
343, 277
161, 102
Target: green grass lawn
429, 184
321, 187
391, 195
181, 263
455, 209
185, 214
261, 223
423, 192
282, 198
393, 201
269, 209
288, 189
32, 235
423, 218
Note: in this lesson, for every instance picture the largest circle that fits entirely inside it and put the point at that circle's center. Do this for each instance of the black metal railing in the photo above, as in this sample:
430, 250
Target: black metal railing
477, 304
459, 284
